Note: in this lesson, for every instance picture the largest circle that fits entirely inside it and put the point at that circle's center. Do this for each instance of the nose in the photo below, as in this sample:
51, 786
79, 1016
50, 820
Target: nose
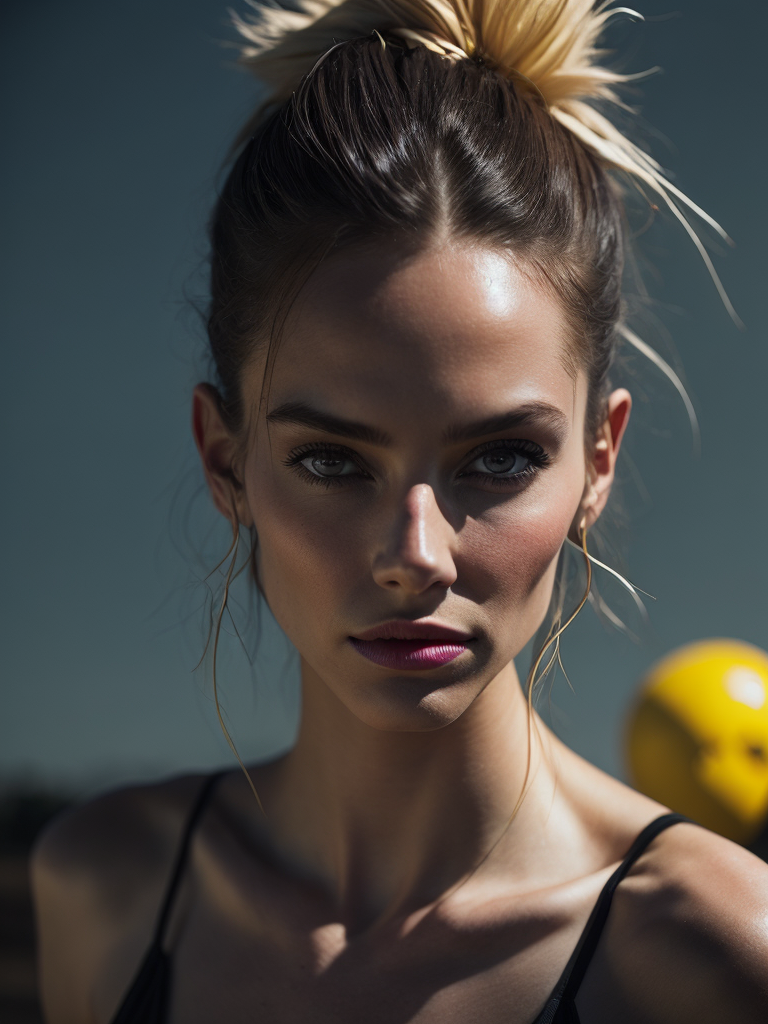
418, 551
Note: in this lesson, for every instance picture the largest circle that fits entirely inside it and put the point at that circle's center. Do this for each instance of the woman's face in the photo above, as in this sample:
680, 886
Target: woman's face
420, 455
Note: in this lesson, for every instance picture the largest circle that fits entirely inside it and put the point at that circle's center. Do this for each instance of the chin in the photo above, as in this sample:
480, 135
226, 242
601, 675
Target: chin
411, 703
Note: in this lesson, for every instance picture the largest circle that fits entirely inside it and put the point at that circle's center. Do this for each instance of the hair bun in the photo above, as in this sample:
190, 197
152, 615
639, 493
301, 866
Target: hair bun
548, 46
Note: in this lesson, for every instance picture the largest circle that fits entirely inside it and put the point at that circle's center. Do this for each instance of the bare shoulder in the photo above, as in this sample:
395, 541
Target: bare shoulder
98, 875
109, 846
687, 935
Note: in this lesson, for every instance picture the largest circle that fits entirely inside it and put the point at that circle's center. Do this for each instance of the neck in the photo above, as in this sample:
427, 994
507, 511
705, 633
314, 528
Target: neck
389, 821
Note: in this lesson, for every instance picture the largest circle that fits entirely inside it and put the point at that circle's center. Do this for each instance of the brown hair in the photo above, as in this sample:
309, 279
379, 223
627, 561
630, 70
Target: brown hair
387, 141
422, 120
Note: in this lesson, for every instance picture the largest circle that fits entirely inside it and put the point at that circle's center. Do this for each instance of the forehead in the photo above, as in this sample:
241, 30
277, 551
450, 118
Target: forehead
455, 330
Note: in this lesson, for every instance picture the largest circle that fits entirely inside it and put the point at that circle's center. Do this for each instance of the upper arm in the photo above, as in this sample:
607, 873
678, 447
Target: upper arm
65, 890
98, 873
687, 936
58, 957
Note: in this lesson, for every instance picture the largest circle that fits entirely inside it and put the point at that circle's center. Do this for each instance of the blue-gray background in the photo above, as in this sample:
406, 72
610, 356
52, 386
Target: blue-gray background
115, 120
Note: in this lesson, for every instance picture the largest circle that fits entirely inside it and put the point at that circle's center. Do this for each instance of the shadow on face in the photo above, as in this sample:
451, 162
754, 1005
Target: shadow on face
420, 455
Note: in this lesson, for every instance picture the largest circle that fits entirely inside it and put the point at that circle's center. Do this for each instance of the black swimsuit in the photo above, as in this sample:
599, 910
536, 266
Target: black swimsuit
146, 1001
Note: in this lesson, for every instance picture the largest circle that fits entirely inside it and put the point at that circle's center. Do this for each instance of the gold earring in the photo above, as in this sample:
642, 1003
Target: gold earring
230, 577
587, 562
591, 560
554, 637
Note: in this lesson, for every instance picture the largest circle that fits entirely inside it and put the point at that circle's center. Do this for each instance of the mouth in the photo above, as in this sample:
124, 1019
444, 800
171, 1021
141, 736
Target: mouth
411, 645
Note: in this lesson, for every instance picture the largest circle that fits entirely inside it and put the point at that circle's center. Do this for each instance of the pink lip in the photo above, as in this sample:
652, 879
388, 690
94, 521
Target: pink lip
407, 645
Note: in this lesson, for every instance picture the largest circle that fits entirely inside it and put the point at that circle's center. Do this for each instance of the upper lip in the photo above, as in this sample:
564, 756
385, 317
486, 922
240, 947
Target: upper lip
410, 629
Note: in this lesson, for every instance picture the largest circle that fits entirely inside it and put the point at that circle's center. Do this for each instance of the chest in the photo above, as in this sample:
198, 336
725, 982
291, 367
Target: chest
434, 973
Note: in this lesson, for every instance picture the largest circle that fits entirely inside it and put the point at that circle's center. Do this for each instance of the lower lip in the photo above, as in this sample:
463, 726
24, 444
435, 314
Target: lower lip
409, 654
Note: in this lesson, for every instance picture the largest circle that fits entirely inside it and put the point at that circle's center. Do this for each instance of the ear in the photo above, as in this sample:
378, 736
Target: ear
602, 468
218, 448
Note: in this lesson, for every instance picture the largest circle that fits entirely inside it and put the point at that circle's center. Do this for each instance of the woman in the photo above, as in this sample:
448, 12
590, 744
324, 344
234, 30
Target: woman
416, 299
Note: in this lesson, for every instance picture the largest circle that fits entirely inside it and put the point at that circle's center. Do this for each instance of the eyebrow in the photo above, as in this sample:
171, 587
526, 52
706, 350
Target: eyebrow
298, 412
532, 413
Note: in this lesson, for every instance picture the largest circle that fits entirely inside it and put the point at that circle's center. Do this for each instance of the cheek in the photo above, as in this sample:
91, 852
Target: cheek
509, 555
512, 552
304, 554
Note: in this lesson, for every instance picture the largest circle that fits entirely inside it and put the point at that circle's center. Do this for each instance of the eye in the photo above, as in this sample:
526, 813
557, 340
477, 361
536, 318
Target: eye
501, 462
506, 461
325, 464
328, 463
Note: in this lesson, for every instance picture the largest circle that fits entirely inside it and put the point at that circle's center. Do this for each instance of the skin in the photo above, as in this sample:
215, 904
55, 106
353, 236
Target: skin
386, 882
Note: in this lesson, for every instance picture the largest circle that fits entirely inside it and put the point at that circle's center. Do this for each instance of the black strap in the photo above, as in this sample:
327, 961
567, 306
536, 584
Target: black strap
146, 1001
576, 968
182, 856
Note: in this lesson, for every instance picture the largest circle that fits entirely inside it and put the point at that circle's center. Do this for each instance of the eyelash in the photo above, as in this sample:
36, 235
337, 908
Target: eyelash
295, 458
538, 459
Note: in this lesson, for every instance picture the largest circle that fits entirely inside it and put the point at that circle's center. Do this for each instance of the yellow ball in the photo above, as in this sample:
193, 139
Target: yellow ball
697, 738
